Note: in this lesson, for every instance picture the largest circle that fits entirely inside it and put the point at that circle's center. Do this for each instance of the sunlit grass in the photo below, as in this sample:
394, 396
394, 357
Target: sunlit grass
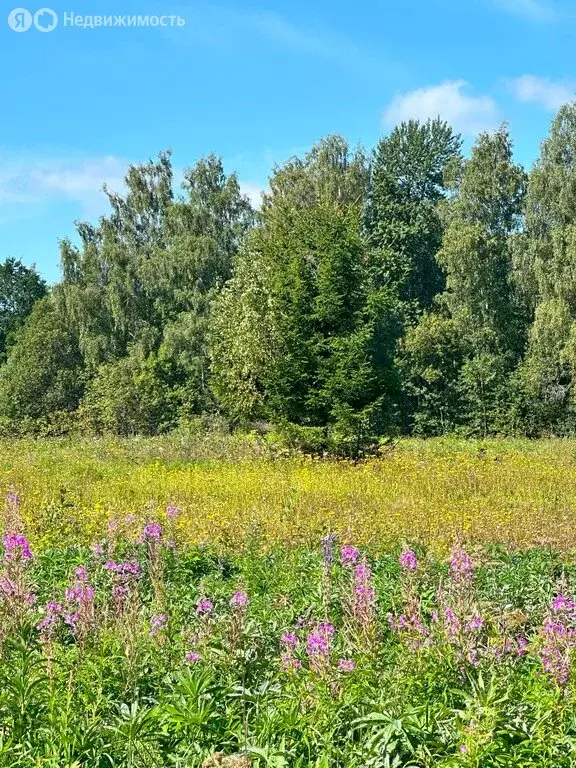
518, 493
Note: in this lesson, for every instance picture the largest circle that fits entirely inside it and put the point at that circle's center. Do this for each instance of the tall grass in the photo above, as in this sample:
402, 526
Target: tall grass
518, 493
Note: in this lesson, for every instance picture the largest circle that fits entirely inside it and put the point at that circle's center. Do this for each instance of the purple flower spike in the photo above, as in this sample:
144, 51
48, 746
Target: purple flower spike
152, 532
239, 600
16, 547
349, 554
204, 606
408, 560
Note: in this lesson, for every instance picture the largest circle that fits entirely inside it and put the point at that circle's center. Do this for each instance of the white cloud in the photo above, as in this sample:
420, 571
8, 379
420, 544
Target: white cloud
536, 10
253, 192
466, 114
548, 93
30, 181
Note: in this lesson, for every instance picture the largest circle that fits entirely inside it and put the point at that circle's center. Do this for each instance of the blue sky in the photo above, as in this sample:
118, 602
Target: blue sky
255, 82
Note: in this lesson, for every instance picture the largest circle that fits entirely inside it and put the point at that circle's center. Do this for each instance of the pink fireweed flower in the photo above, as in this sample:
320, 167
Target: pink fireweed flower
473, 657
521, 646
559, 640
349, 554
326, 629
124, 582
476, 622
347, 665
204, 606
364, 596
318, 645
8, 587
318, 641
409, 625
408, 560
130, 569
152, 532
81, 573
124, 572
97, 549
451, 622
461, 567
79, 613
291, 664
52, 614
192, 657
80, 593
158, 623
172, 512
13, 500
16, 547
563, 604
239, 600
290, 640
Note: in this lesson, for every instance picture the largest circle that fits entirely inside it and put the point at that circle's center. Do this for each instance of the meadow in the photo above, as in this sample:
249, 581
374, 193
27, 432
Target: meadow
192, 601
234, 489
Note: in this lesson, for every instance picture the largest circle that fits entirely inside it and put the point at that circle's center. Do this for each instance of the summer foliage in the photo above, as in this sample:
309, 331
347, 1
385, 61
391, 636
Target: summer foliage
410, 290
138, 652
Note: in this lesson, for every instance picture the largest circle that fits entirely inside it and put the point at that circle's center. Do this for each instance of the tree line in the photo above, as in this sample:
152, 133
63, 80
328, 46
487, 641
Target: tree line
411, 290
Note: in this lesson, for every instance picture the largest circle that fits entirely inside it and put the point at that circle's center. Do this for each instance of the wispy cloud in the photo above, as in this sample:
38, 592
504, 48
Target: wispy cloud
219, 25
535, 10
547, 93
275, 27
28, 182
466, 113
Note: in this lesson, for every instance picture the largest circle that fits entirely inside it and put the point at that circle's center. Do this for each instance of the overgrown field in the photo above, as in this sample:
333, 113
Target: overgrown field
185, 603
138, 653
231, 490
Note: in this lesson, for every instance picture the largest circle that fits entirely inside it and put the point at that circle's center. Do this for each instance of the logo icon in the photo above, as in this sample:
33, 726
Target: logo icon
19, 20
45, 20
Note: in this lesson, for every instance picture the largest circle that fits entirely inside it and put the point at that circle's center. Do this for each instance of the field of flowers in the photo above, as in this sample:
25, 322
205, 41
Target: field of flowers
160, 606
513, 493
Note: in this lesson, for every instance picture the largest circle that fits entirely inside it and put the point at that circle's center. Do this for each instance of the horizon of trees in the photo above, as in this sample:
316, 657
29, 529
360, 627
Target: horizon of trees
410, 290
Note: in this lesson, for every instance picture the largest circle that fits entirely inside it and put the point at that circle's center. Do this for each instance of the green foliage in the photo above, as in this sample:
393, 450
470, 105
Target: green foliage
129, 397
109, 688
44, 372
459, 364
20, 289
545, 275
431, 358
408, 182
413, 290
317, 339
